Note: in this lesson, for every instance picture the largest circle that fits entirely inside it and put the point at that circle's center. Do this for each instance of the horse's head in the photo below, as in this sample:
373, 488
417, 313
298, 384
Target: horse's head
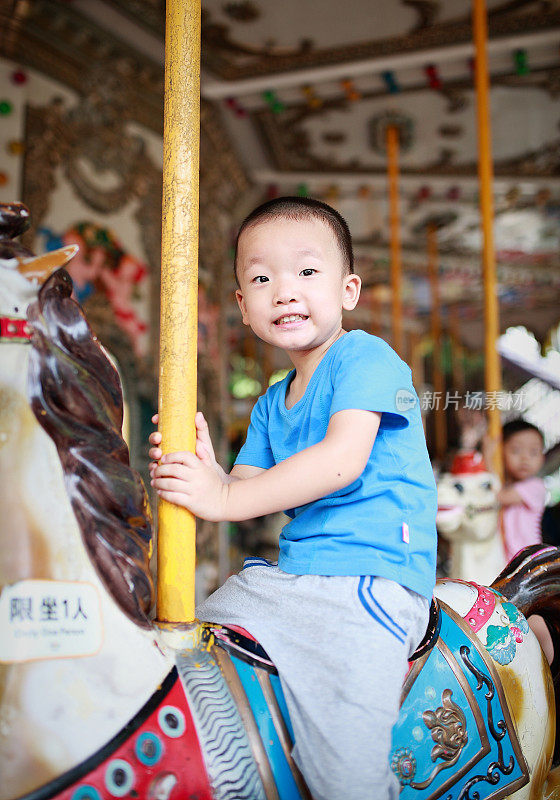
467, 506
63, 380
21, 272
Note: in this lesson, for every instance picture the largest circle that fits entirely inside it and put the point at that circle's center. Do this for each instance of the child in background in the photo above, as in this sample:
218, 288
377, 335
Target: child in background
522, 498
522, 501
339, 445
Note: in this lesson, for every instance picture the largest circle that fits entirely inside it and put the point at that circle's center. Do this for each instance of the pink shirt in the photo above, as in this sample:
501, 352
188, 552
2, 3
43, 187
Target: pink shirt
521, 523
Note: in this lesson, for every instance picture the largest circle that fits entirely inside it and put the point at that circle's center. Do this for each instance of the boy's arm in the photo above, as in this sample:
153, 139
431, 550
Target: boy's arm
244, 471
332, 464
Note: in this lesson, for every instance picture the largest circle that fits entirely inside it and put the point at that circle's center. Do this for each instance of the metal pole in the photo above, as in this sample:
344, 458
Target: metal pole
485, 176
440, 427
179, 296
395, 234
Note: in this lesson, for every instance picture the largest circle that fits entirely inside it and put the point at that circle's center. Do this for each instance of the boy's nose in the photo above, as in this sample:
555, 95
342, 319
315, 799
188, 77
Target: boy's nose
284, 298
284, 294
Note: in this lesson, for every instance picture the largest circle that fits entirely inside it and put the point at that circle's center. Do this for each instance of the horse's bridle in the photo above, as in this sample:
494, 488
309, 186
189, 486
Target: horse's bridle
13, 329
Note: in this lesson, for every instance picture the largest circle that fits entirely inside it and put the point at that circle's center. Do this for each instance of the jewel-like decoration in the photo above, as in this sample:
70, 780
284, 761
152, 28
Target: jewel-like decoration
403, 765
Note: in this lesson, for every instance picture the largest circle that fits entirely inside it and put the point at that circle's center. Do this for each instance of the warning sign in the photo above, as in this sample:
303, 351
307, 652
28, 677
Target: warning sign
49, 619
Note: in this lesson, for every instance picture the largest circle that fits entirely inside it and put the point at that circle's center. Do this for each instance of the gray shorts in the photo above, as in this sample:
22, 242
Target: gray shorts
341, 646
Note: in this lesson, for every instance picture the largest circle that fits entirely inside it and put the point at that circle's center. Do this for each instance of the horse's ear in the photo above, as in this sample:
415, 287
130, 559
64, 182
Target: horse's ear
41, 267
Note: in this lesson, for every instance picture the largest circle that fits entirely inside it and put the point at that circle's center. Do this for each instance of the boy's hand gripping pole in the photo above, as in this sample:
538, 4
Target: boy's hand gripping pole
179, 291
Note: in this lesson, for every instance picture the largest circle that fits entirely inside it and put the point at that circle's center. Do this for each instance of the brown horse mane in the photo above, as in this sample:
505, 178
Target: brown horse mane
75, 394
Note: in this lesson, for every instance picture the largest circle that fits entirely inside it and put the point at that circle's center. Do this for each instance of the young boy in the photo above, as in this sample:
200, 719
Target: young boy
338, 445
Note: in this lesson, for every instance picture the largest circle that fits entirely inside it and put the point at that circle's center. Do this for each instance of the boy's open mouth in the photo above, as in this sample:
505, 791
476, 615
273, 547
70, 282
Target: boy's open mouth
290, 318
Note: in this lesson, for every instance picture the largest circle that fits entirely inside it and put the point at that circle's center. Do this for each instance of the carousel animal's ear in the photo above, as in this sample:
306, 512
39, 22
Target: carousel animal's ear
42, 267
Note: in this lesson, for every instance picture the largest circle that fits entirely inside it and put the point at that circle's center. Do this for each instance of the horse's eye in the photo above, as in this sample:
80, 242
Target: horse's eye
459, 486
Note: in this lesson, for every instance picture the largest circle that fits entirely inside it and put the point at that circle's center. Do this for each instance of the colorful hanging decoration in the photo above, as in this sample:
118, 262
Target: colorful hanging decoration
364, 192
453, 193
6, 108
313, 100
391, 82
512, 196
424, 193
302, 190
272, 191
377, 131
434, 81
352, 94
271, 99
3, 179
15, 147
19, 77
332, 194
236, 107
542, 197
521, 62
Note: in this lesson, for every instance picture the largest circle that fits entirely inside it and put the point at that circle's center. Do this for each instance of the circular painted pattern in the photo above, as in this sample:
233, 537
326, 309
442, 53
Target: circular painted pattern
148, 749
86, 792
119, 777
172, 721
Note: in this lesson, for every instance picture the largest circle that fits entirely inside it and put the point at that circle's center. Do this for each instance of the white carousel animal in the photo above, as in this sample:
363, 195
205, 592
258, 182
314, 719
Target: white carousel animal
57, 705
467, 517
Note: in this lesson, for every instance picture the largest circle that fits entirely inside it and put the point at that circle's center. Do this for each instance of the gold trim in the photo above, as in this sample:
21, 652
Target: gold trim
485, 747
281, 730
238, 693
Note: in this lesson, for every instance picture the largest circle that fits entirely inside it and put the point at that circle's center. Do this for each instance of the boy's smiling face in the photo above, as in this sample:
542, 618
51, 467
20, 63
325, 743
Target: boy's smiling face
293, 283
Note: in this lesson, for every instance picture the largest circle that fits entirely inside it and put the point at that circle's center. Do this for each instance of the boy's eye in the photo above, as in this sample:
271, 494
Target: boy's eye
308, 271
260, 279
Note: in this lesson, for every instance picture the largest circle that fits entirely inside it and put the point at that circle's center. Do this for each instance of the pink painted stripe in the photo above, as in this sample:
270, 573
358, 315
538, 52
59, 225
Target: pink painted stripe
482, 609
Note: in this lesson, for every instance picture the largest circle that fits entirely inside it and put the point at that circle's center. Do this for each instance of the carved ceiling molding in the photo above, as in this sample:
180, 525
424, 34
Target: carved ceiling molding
150, 14
289, 145
234, 60
57, 41
94, 133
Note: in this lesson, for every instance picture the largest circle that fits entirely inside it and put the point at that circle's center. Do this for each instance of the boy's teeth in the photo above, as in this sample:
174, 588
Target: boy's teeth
290, 318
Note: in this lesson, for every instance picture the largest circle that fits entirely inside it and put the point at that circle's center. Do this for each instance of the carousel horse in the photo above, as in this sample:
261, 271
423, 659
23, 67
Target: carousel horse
96, 703
467, 518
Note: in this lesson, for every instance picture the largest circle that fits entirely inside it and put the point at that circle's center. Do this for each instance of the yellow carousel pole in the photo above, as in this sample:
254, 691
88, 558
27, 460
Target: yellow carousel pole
485, 176
395, 234
440, 427
179, 295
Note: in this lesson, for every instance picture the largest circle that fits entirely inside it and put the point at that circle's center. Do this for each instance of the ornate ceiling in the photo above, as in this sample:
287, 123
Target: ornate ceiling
305, 90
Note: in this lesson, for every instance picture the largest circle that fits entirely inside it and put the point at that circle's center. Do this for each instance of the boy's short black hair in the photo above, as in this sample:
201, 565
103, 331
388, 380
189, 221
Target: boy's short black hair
518, 425
298, 208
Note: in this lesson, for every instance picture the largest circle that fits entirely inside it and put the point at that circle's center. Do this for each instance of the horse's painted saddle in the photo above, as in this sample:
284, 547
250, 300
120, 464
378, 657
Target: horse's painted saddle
453, 709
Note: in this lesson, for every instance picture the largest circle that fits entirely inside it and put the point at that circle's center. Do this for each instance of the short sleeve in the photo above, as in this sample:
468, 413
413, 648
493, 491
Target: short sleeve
256, 452
532, 492
369, 375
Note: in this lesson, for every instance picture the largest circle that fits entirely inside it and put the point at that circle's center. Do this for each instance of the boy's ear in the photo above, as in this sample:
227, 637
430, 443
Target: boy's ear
351, 294
242, 307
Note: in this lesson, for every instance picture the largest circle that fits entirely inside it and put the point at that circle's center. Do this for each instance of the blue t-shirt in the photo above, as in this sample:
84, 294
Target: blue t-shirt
384, 522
